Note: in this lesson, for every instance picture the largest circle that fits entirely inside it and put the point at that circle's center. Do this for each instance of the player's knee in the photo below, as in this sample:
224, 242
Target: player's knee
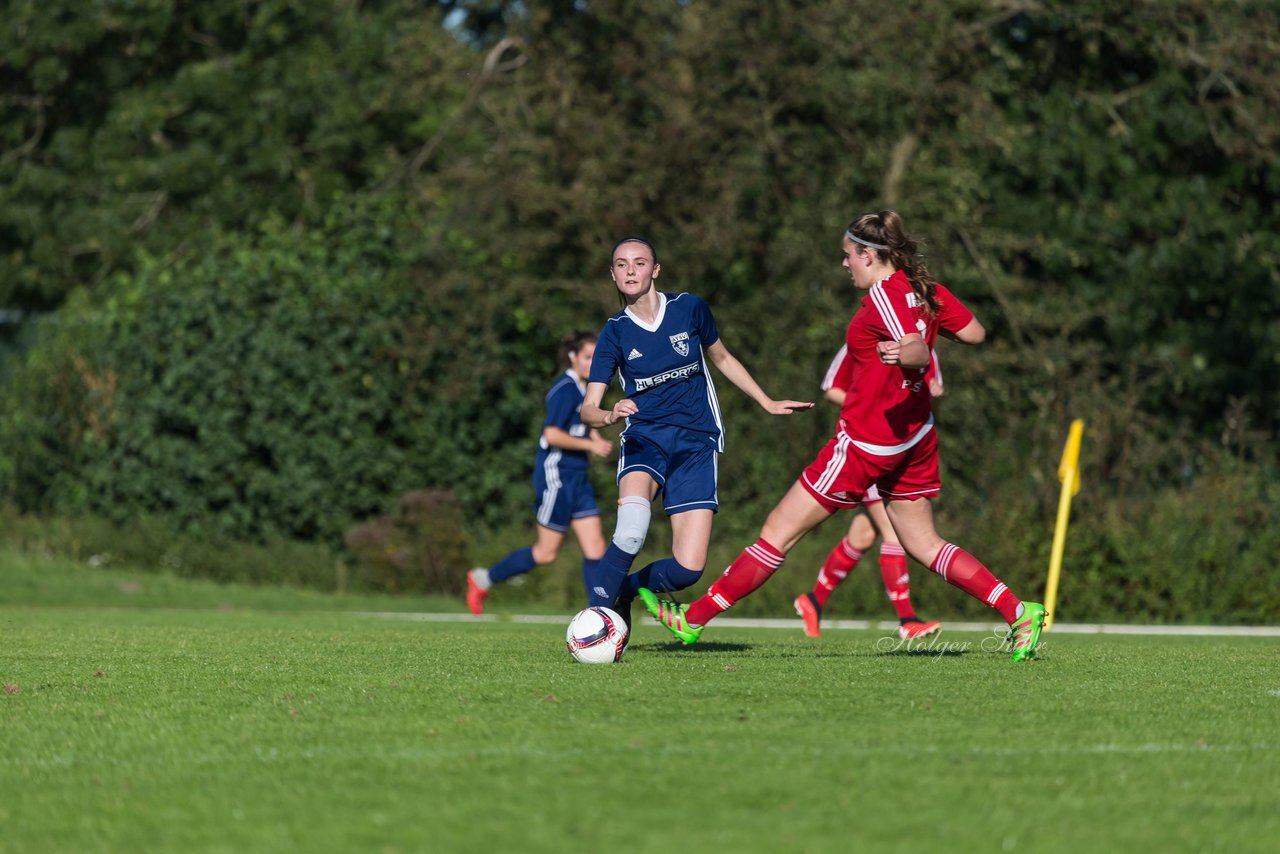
633, 524
543, 555
861, 540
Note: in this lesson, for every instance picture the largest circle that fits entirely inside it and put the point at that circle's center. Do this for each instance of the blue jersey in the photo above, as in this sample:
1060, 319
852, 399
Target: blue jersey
564, 410
663, 366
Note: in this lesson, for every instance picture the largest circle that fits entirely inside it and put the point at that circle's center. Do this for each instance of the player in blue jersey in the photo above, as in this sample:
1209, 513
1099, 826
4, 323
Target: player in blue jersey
563, 498
658, 346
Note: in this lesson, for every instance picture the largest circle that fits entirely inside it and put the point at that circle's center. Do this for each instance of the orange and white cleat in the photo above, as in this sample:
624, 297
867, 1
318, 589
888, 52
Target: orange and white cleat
918, 629
475, 593
811, 612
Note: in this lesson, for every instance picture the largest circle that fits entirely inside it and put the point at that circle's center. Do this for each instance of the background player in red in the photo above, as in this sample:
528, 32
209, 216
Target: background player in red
863, 530
563, 497
885, 438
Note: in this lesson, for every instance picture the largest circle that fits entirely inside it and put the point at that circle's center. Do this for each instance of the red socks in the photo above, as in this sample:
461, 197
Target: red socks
835, 569
753, 567
897, 582
961, 569
760, 560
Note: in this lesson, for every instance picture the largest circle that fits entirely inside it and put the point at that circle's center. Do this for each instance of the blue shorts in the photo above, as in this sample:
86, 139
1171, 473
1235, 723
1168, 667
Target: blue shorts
559, 497
685, 464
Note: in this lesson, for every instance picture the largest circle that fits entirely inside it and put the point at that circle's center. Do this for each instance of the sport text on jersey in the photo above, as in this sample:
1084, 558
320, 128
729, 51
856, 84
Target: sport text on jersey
680, 373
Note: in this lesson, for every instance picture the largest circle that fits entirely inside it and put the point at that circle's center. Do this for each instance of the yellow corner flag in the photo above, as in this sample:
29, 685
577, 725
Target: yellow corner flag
1069, 474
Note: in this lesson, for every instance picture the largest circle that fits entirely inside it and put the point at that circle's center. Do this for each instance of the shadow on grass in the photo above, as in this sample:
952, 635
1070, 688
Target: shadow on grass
676, 646
924, 653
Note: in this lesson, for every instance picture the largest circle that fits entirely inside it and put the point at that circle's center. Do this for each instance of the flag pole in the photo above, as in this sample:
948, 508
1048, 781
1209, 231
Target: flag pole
1069, 474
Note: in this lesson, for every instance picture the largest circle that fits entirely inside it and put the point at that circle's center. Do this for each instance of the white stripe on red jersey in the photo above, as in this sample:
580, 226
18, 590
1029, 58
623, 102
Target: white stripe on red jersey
889, 406
829, 379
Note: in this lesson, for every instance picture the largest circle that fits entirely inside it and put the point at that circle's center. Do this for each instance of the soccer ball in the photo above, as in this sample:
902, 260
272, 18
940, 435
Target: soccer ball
596, 636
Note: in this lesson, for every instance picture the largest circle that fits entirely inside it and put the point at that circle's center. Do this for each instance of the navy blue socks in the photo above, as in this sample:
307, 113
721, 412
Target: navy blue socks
518, 562
661, 576
605, 579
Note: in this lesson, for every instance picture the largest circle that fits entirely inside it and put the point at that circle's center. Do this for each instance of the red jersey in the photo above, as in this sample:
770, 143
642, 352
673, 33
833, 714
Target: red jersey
840, 372
888, 407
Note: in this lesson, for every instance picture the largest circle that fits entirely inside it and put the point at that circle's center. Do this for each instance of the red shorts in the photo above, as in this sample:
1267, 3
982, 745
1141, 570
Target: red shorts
842, 473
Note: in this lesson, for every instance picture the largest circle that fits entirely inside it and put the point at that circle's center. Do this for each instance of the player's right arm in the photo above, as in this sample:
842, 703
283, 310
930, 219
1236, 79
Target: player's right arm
905, 347
605, 365
593, 415
909, 351
558, 437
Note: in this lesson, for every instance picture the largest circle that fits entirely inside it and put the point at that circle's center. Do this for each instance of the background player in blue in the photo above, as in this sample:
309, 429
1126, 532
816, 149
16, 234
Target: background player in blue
562, 496
658, 346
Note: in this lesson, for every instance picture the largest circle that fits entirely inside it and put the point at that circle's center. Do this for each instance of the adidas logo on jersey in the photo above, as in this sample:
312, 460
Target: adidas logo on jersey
634, 354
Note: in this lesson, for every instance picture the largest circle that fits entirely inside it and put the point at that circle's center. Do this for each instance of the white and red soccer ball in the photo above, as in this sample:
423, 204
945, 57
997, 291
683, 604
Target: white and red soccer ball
596, 636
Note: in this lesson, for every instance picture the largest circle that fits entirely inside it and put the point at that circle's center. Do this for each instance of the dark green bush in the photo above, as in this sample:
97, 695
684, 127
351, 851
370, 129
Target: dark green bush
254, 388
153, 544
421, 549
282, 384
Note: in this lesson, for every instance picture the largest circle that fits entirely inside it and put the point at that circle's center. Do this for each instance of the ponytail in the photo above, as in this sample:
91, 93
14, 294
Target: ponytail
883, 233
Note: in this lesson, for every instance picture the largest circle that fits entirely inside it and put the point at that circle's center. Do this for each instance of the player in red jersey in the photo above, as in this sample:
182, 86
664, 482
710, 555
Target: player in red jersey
885, 438
863, 530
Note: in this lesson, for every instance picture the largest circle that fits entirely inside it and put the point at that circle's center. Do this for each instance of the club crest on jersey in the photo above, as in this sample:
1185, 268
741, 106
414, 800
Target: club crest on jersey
680, 343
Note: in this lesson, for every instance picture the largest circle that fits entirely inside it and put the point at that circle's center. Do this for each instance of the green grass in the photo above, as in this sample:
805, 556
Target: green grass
225, 723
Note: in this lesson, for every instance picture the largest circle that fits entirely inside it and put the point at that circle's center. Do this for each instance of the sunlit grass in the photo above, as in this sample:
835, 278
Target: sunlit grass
220, 724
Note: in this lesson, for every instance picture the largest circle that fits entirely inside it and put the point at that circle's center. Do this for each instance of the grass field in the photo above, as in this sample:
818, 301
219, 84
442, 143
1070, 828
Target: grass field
197, 718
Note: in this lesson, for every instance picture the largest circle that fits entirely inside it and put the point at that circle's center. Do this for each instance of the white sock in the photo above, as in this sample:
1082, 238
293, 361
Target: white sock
480, 575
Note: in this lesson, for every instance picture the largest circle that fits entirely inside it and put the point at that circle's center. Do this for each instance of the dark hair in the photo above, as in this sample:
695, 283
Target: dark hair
572, 342
633, 239
884, 228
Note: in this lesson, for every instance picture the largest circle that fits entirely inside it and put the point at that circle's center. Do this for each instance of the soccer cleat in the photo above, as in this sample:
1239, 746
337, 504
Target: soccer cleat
475, 595
671, 615
918, 629
811, 612
1024, 634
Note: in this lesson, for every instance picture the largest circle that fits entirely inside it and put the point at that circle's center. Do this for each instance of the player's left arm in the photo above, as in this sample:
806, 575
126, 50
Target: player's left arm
971, 333
955, 321
737, 374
